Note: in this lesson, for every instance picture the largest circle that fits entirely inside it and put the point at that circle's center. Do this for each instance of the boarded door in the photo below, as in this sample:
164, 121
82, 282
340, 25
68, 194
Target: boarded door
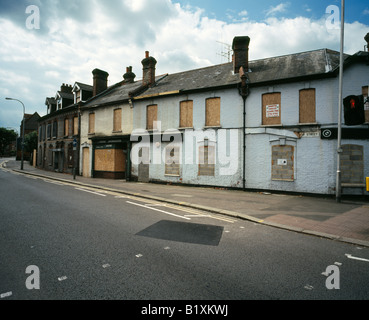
86, 162
144, 166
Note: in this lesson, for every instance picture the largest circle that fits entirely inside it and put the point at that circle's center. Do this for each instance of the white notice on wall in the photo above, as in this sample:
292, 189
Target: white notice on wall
272, 111
282, 162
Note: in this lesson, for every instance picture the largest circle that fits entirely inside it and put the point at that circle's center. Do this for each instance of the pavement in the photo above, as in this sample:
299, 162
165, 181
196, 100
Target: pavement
347, 221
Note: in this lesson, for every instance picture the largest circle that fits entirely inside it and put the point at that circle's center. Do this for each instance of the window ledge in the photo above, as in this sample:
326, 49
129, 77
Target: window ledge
271, 125
309, 124
213, 127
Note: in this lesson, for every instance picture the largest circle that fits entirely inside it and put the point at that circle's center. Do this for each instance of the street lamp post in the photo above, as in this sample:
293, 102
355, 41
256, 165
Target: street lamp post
23, 125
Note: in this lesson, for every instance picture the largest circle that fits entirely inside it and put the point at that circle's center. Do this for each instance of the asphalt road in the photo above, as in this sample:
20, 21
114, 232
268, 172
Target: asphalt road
93, 245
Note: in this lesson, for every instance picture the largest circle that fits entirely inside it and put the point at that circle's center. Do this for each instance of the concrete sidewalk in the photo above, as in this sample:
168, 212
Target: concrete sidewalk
347, 221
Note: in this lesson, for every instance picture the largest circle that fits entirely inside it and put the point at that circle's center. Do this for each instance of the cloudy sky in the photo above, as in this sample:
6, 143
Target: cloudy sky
70, 38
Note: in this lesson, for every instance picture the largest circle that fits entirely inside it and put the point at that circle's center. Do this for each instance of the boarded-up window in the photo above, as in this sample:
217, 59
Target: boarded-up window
75, 126
110, 160
307, 106
66, 127
172, 165
186, 114
207, 161
91, 123
283, 158
117, 120
271, 108
352, 164
151, 116
212, 112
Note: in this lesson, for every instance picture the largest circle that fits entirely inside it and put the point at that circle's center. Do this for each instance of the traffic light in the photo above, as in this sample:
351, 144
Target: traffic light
354, 110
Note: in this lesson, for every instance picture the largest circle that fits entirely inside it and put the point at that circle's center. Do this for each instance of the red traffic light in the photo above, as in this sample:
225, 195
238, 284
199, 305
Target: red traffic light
354, 110
352, 103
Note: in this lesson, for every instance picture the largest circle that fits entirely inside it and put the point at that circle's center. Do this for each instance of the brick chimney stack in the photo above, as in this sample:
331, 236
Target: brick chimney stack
100, 82
149, 64
366, 38
129, 76
240, 53
66, 88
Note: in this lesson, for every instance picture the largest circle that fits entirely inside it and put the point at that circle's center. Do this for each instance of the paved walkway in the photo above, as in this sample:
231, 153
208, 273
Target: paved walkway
347, 221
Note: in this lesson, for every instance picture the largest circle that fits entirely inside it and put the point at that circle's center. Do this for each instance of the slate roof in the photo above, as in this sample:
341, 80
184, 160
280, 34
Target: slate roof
282, 68
84, 86
116, 93
304, 65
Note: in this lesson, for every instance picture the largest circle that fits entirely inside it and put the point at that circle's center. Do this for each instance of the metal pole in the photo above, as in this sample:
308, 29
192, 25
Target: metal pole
23, 127
339, 147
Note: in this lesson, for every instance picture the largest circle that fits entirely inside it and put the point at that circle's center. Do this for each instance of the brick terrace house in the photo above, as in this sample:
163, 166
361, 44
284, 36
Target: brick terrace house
58, 131
268, 124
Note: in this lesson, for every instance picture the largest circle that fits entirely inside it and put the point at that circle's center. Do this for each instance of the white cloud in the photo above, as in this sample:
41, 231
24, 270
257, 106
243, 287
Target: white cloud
35, 63
277, 9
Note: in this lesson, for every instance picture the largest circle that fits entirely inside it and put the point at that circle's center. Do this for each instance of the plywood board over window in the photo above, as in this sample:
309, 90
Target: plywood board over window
117, 126
212, 112
207, 161
271, 108
172, 165
307, 107
186, 114
91, 123
66, 127
75, 126
151, 116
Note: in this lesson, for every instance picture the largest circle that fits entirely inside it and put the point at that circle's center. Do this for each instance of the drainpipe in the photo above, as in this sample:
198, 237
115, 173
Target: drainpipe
244, 91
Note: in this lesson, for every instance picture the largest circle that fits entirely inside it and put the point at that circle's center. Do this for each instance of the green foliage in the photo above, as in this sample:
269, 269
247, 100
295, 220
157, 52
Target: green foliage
7, 137
30, 141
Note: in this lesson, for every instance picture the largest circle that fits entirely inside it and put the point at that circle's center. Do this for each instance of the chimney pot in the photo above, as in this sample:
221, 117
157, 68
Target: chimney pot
240, 58
147, 54
129, 76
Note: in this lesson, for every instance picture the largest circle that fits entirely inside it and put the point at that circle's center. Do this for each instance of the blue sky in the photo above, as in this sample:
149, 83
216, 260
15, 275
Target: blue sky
77, 36
259, 10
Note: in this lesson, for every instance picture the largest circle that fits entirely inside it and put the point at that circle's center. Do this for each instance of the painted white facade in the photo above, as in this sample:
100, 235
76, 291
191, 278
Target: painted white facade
104, 125
315, 160
226, 139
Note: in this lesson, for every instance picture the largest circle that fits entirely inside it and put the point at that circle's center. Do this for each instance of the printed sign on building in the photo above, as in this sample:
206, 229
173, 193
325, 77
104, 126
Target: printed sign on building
272, 111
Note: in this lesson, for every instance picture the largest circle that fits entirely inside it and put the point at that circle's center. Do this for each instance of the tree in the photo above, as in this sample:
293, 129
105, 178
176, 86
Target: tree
7, 137
30, 142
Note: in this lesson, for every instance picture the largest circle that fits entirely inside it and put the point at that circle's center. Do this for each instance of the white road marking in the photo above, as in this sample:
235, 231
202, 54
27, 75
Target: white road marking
356, 258
6, 295
198, 216
107, 265
54, 182
139, 255
166, 212
98, 194
62, 278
